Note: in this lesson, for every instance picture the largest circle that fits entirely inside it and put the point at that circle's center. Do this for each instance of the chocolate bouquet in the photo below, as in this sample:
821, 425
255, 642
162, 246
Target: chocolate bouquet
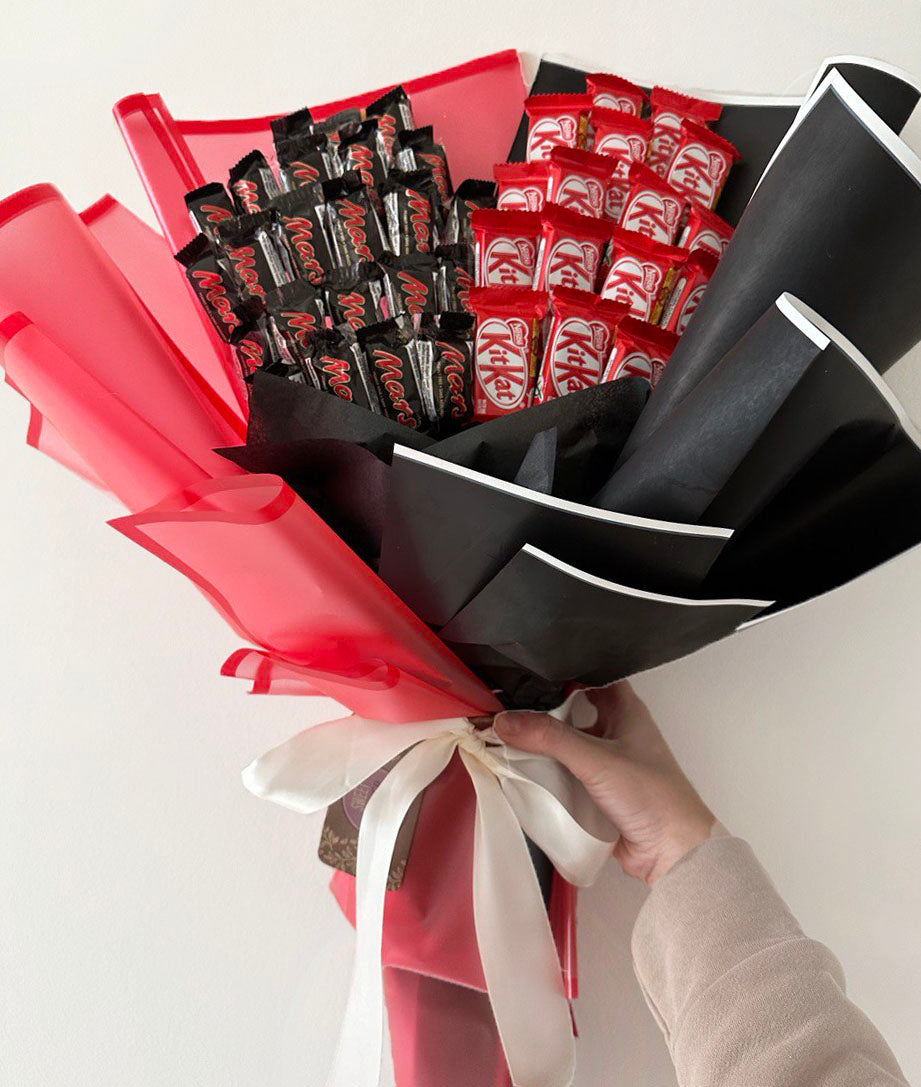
449, 398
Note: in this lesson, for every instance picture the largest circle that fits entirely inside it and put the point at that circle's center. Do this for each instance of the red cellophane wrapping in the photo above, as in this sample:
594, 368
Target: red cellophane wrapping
130, 388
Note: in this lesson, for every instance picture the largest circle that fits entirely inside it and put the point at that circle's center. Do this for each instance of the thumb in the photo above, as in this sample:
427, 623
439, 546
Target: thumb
541, 734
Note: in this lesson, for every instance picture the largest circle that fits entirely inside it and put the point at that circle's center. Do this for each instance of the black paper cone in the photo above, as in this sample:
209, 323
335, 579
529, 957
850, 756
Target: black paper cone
687, 462
563, 623
449, 530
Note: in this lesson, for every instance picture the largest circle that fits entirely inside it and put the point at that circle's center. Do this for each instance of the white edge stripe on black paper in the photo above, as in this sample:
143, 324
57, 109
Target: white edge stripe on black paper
790, 305
893, 143
563, 504
628, 590
864, 62
793, 306
722, 98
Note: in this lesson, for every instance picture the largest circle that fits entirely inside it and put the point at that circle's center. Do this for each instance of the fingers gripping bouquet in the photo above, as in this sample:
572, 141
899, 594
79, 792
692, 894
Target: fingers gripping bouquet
439, 433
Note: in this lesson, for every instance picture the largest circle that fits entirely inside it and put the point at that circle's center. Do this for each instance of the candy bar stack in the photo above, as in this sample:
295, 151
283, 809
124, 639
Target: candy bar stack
345, 264
351, 264
602, 242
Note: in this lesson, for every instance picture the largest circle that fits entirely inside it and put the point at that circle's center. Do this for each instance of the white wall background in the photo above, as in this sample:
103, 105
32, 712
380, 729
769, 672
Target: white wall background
158, 925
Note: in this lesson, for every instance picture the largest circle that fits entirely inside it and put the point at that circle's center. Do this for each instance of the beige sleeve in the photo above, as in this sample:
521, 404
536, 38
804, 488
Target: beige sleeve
742, 996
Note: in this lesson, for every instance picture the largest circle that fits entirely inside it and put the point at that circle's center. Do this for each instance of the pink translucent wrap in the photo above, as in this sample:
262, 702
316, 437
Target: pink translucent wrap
130, 388
112, 392
475, 109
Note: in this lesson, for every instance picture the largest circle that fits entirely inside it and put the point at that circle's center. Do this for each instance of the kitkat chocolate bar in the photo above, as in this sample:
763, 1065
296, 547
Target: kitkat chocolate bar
506, 349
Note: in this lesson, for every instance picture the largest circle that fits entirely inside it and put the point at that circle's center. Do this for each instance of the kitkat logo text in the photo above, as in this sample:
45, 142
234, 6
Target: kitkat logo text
577, 353
503, 361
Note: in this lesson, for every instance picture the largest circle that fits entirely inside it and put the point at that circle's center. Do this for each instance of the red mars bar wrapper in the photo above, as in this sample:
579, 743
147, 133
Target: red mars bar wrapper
701, 164
208, 206
507, 347
390, 359
303, 234
505, 245
354, 297
411, 209
669, 109
624, 138
522, 185
705, 230
641, 273
579, 342
640, 350
351, 221
613, 92
253, 183
394, 115
571, 249
410, 284
471, 195
417, 150
579, 180
555, 120
691, 281
256, 253
214, 285
653, 207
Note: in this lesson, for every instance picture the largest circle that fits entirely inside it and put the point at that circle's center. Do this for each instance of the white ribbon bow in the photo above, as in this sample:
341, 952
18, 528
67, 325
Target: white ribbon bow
516, 794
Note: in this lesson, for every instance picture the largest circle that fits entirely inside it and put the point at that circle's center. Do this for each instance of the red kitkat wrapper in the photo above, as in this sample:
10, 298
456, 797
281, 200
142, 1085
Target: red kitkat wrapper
701, 164
613, 92
640, 350
506, 247
705, 230
522, 186
641, 273
624, 138
579, 342
570, 250
669, 109
579, 180
555, 120
653, 207
687, 290
508, 339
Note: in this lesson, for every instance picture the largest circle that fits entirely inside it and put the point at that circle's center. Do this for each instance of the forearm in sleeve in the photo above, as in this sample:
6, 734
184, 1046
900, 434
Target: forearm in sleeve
742, 996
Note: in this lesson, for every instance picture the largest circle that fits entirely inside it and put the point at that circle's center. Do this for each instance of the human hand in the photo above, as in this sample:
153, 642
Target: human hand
630, 773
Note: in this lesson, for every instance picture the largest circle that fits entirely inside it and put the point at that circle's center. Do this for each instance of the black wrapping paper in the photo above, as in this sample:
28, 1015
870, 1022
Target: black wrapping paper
836, 221
448, 530
345, 483
754, 124
688, 461
286, 411
562, 623
844, 463
591, 426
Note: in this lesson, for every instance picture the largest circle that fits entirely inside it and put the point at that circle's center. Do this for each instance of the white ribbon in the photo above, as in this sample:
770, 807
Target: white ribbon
516, 794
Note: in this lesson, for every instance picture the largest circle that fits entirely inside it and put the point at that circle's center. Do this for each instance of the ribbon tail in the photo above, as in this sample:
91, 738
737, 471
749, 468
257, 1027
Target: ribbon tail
358, 1057
519, 957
